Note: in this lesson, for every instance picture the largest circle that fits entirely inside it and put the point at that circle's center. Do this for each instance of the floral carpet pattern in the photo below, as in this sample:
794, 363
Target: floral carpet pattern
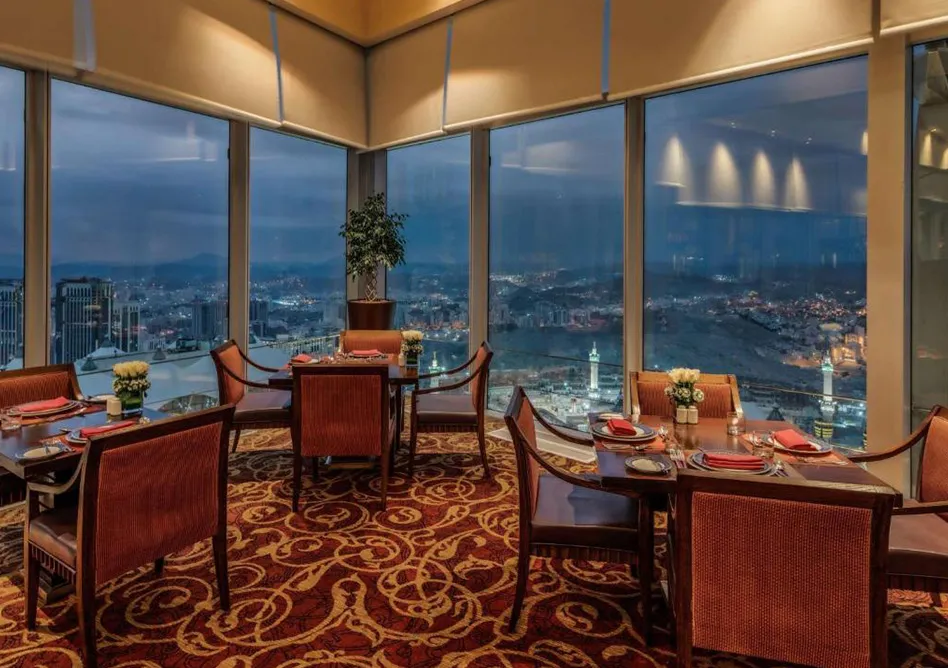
428, 582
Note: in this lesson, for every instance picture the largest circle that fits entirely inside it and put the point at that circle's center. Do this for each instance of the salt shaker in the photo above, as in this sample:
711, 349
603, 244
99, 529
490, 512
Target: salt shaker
113, 406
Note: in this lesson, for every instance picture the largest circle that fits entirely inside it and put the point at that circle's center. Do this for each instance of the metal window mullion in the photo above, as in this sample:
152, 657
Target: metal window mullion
238, 288
479, 279
36, 283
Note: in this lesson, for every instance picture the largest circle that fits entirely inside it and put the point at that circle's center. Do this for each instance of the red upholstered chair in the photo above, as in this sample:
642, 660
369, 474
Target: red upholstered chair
781, 569
433, 410
918, 539
647, 390
343, 410
144, 493
563, 515
38, 383
388, 341
264, 409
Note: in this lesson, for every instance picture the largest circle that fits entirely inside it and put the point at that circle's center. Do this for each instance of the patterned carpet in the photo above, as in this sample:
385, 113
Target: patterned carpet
427, 583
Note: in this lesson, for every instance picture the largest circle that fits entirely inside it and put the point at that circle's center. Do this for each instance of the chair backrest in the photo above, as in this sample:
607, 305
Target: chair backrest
647, 390
523, 432
340, 409
933, 471
480, 370
781, 569
38, 383
388, 341
230, 366
151, 491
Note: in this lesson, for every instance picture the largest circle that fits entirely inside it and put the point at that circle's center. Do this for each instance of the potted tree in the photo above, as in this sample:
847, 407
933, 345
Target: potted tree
373, 238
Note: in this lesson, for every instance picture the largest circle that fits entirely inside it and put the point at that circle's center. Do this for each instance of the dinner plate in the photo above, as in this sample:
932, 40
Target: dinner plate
696, 459
642, 433
366, 357
648, 466
65, 408
99, 398
824, 448
75, 436
44, 452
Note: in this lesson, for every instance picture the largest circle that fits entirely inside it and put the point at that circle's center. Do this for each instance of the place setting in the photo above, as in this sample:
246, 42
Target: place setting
72, 439
617, 432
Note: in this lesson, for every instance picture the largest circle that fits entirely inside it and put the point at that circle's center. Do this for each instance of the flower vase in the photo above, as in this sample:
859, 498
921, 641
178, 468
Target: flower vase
692, 415
132, 402
411, 359
681, 415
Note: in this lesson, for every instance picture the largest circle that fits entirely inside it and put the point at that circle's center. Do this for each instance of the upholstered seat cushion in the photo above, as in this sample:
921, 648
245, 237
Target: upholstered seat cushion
266, 406
54, 531
570, 515
918, 545
445, 409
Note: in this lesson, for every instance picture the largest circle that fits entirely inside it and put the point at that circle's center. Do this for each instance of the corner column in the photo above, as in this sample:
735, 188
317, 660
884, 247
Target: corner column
238, 297
36, 279
479, 280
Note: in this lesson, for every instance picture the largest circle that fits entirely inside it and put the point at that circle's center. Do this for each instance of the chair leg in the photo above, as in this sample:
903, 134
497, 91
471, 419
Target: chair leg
219, 544
31, 576
159, 566
523, 572
482, 442
236, 440
314, 462
297, 480
412, 445
85, 602
646, 564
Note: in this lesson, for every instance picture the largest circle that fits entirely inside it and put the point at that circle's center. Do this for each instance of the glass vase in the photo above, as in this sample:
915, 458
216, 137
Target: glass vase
132, 402
411, 359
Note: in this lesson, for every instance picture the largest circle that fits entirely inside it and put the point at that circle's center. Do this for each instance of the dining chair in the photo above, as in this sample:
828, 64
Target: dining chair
144, 493
387, 341
38, 383
647, 390
265, 408
342, 410
569, 516
781, 569
434, 410
918, 538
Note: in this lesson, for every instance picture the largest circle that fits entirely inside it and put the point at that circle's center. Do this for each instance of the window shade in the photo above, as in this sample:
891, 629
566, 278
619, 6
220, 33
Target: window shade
323, 82
38, 33
659, 45
904, 15
214, 54
406, 86
512, 57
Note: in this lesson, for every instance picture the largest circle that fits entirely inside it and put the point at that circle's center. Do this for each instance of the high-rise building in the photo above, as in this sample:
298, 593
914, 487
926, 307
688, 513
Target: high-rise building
209, 320
128, 335
83, 317
594, 373
11, 321
259, 316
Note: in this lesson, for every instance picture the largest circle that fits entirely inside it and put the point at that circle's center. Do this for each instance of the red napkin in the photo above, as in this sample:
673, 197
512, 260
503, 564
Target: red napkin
621, 427
792, 440
46, 405
89, 432
733, 461
365, 353
302, 358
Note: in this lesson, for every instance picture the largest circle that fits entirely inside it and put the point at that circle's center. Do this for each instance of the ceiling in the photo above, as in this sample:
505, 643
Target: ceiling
368, 22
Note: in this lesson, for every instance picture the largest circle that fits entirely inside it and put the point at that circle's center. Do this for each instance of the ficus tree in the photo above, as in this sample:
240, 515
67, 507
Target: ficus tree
373, 237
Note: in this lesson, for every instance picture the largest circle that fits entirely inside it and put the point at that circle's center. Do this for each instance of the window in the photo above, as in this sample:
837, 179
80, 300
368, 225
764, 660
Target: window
297, 258
556, 254
755, 241
138, 241
12, 133
431, 183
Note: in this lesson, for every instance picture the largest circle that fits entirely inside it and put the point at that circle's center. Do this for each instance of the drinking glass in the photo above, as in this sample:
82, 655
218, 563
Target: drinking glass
736, 424
763, 446
9, 421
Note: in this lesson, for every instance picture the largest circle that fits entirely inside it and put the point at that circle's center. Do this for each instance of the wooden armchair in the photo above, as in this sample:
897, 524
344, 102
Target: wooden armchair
38, 383
780, 569
266, 409
432, 410
568, 516
168, 481
387, 341
344, 410
918, 539
647, 391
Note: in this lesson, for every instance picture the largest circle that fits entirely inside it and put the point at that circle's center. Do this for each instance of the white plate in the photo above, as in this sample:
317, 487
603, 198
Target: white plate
642, 433
647, 465
824, 449
43, 452
65, 408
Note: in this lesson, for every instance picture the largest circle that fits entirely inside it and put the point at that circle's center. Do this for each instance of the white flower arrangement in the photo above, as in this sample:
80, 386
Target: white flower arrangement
682, 390
130, 378
411, 342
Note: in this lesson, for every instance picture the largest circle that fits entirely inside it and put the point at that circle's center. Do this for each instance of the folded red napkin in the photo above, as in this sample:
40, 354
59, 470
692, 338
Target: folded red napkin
46, 405
89, 432
621, 427
733, 461
302, 358
365, 353
792, 440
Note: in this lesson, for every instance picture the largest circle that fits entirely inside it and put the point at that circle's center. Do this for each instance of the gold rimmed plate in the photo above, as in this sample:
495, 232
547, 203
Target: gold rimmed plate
697, 460
65, 408
44, 452
643, 433
647, 466
815, 450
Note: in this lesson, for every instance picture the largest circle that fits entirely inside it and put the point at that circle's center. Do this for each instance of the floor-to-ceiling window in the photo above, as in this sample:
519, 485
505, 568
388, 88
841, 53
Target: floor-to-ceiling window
297, 258
755, 241
556, 253
138, 241
12, 91
431, 183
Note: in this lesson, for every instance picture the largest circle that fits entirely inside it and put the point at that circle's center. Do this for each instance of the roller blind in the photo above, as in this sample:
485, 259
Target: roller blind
323, 82
406, 86
903, 15
38, 33
658, 45
512, 57
213, 54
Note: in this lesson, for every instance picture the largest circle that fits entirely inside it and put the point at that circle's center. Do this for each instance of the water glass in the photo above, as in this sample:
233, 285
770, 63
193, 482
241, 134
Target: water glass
763, 446
736, 424
9, 421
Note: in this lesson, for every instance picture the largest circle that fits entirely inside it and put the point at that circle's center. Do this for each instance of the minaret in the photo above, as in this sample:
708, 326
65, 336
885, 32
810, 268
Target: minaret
824, 427
594, 373
435, 368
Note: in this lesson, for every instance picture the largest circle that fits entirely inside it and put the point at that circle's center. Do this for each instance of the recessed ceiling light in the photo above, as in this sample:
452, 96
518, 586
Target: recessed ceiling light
773, 133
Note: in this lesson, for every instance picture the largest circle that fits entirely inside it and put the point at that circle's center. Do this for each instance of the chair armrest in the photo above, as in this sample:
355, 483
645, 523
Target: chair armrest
443, 388
244, 381
922, 508
43, 488
449, 372
916, 436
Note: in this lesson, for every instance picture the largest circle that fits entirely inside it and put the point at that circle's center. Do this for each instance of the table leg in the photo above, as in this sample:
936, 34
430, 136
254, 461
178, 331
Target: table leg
646, 563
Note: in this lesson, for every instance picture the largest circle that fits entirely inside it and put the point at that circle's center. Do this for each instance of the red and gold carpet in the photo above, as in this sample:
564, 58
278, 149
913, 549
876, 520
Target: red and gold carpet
429, 582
